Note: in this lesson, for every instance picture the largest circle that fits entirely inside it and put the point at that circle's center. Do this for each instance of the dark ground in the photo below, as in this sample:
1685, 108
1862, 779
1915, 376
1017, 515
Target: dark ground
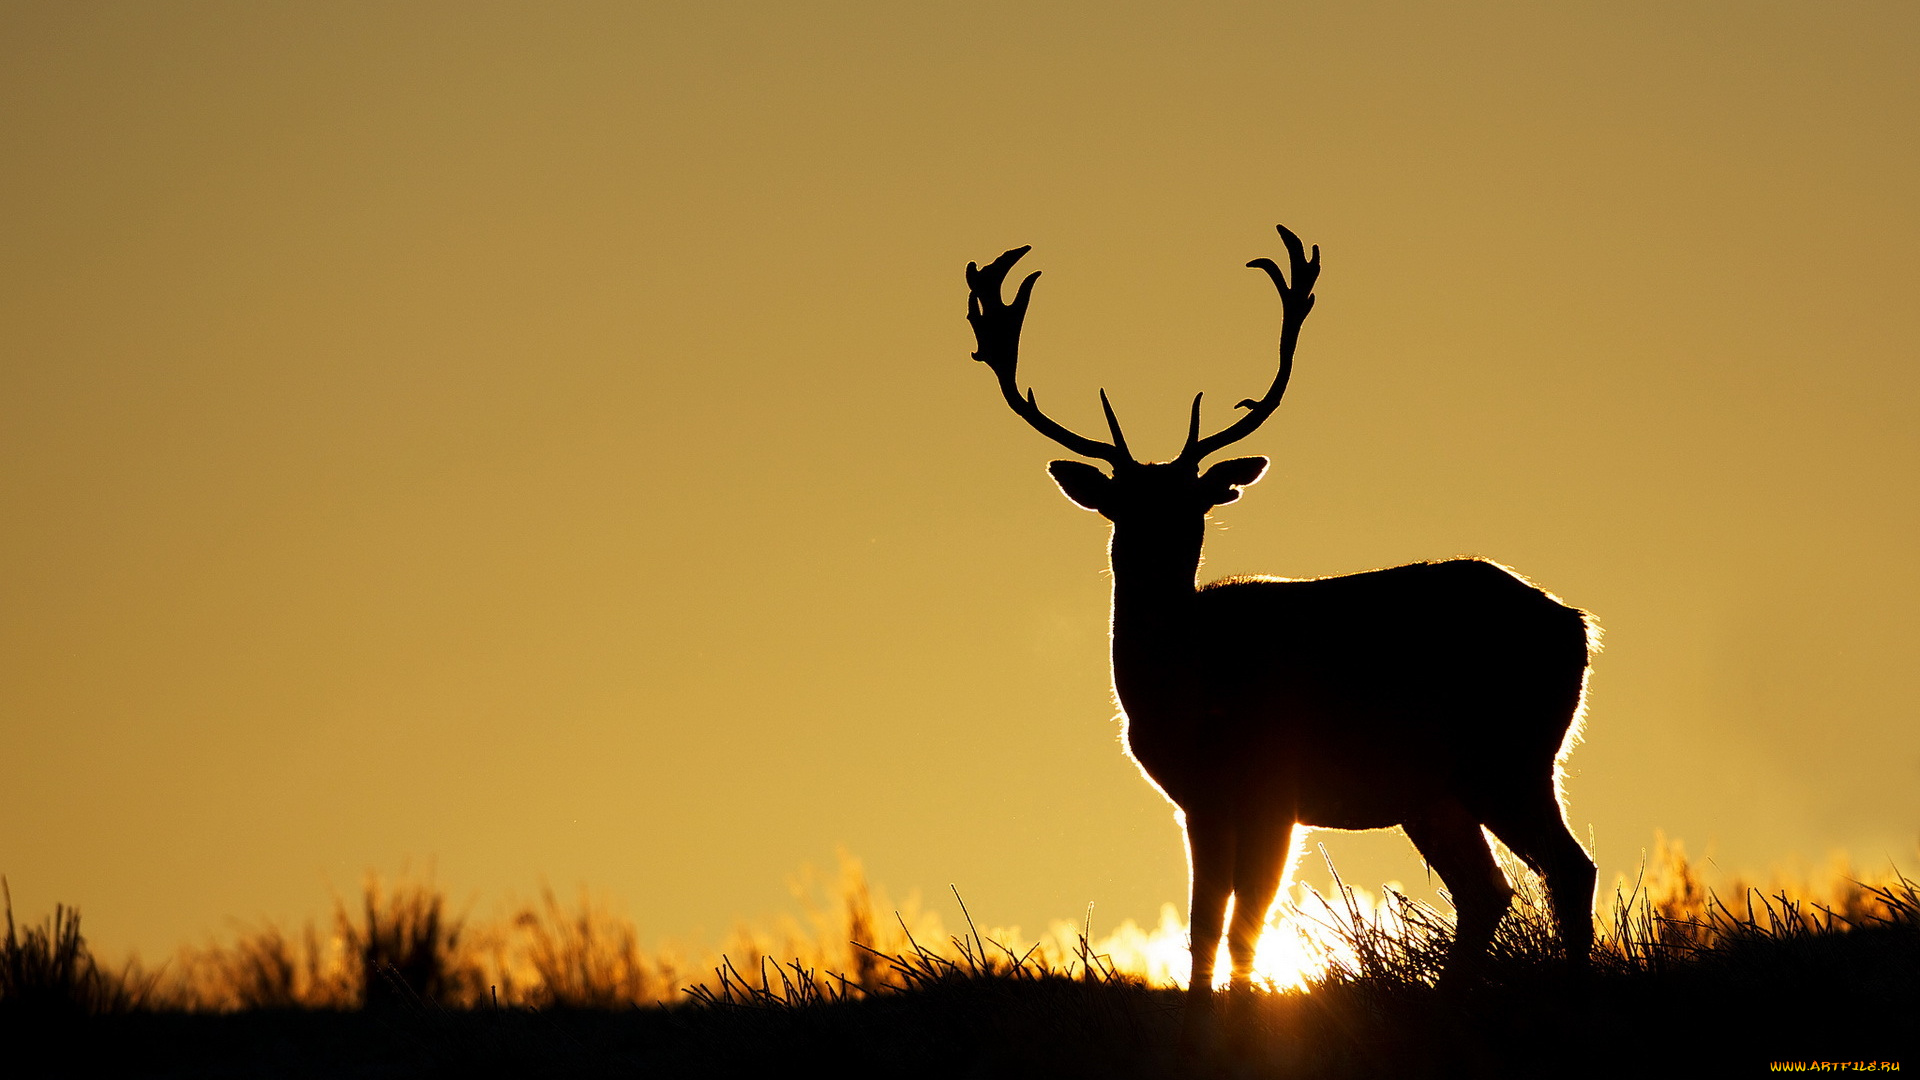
1847, 998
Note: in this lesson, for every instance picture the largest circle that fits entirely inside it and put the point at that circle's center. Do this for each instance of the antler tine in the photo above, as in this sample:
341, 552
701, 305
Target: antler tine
1113, 425
1296, 300
996, 330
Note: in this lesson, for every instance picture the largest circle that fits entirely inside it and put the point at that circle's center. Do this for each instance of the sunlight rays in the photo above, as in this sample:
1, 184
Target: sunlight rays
1301, 943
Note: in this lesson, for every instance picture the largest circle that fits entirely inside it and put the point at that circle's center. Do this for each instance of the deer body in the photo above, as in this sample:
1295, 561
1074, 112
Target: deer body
1354, 702
1438, 697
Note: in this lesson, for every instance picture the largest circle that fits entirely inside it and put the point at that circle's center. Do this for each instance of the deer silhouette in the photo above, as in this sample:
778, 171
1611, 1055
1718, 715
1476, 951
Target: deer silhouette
1440, 697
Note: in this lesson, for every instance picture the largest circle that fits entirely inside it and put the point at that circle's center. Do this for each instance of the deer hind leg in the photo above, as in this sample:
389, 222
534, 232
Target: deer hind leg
1537, 832
1210, 856
1449, 838
1260, 862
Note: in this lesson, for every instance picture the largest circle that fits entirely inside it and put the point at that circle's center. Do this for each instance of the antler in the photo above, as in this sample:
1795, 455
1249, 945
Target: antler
1295, 301
996, 329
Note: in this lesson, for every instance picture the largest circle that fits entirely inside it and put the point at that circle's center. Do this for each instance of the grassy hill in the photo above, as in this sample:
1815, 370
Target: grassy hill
1684, 983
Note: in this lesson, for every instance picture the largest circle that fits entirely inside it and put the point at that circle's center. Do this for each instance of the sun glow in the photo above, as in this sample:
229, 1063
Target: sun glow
1301, 943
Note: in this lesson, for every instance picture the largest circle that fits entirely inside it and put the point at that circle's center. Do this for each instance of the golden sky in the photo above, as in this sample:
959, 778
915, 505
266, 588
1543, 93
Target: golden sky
541, 437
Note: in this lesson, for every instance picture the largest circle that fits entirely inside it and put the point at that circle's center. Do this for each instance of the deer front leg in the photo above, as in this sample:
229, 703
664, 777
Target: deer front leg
1260, 861
1210, 854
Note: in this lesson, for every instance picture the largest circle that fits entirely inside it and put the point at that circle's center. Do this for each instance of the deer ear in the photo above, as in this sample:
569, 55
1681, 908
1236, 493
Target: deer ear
1081, 482
1225, 480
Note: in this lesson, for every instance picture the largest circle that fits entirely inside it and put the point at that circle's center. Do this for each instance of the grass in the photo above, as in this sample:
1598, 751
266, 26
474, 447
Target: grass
1684, 980
49, 973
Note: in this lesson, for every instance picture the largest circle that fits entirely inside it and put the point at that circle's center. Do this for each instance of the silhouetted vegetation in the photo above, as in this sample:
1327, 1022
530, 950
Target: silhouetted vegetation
48, 973
1682, 979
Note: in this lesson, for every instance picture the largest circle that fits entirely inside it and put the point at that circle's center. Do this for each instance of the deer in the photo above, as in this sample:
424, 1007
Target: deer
1441, 697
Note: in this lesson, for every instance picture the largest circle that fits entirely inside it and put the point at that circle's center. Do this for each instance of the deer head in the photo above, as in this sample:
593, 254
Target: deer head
1136, 491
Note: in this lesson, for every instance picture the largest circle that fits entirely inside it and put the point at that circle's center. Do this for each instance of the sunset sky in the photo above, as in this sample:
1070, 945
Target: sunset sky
539, 440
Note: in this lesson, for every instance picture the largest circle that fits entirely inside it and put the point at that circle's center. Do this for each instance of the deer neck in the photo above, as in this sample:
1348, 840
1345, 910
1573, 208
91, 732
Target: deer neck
1154, 572
1153, 638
